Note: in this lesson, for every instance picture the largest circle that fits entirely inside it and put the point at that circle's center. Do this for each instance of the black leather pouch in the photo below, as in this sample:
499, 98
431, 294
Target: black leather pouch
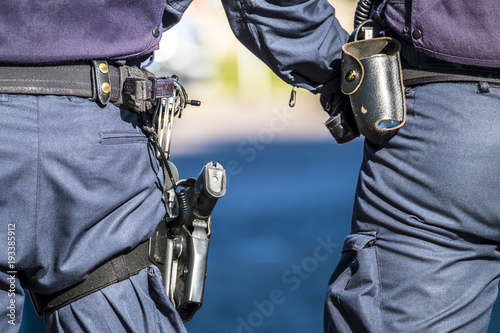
372, 77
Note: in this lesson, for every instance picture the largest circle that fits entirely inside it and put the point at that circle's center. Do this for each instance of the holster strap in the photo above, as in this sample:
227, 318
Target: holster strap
113, 271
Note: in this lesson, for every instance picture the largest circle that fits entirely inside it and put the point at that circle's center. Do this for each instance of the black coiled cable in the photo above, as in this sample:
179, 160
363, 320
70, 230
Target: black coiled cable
362, 13
184, 205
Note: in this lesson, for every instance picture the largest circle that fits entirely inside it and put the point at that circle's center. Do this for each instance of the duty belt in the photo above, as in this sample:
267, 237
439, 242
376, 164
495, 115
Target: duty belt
124, 86
137, 89
416, 76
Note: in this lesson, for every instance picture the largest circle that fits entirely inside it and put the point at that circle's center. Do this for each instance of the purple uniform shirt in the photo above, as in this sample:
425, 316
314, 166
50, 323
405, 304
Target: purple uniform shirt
459, 31
34, 32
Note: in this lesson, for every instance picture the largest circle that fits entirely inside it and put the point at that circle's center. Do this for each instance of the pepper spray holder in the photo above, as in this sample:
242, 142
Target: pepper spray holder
372, 77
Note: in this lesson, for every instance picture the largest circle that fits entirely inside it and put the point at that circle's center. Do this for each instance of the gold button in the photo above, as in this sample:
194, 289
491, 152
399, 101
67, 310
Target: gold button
105, 87
103, 68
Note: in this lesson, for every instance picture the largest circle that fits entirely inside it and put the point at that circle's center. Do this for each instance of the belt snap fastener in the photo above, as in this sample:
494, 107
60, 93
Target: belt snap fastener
100, 82
103, 68
105, 87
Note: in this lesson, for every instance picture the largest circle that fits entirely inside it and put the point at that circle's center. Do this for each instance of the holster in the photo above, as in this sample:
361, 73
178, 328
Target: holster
372, 77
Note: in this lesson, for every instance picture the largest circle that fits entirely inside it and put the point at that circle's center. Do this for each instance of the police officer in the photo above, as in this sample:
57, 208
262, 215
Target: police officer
80, 183
81, 188
423, 255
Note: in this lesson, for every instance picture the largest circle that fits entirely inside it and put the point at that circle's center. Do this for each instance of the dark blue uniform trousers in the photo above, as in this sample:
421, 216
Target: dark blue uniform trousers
79, 184
424, 254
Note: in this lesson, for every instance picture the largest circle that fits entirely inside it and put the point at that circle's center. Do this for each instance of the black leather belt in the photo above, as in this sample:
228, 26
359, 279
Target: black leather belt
124, 86
416, 76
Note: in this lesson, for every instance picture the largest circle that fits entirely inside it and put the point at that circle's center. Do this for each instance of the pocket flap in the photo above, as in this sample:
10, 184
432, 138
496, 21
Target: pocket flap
357, 242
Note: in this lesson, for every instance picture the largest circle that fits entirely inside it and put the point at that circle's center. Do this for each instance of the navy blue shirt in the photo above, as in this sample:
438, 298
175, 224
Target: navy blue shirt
300, 40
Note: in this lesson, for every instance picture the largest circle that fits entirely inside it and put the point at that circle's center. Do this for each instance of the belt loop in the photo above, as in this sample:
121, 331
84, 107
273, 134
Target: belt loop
120, 268
101, 84
154, 84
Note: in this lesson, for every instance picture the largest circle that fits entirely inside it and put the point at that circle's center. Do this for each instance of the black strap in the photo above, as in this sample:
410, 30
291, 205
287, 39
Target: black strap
70, 80
113, 271
415, 76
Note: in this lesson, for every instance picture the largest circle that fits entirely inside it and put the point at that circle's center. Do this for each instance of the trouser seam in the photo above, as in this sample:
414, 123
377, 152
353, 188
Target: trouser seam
38, 177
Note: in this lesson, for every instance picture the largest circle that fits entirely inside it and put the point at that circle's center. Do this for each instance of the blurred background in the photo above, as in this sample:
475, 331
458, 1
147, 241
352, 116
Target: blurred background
278, 232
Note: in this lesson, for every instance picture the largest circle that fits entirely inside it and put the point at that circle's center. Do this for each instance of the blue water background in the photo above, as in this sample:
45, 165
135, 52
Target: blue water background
268, 262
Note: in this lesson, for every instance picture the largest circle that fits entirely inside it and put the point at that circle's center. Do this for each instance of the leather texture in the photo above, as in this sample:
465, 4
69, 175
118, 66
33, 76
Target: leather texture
372, 77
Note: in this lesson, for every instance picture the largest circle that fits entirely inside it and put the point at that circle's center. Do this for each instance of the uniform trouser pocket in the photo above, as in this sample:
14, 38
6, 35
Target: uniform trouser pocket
352, 301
